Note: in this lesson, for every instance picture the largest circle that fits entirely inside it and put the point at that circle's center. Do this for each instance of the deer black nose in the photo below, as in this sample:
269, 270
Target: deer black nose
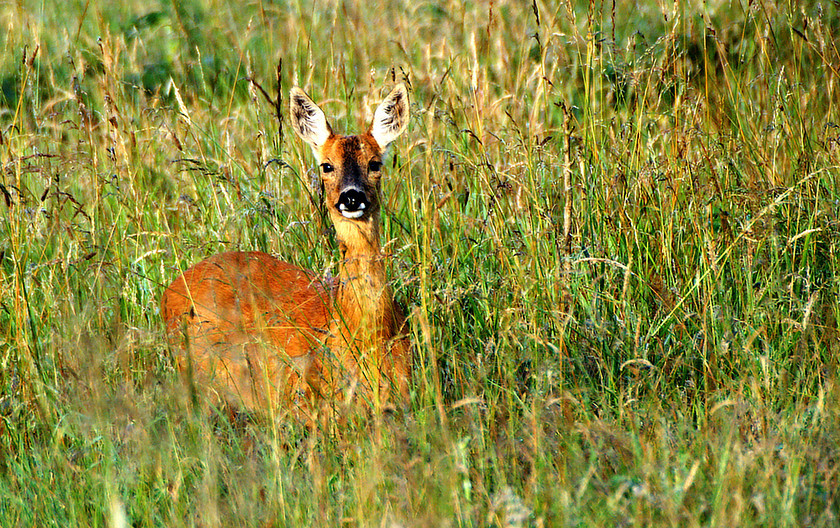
352, 203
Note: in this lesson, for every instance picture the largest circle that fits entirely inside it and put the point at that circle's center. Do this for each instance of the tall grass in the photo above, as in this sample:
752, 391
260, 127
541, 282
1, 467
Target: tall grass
615, 229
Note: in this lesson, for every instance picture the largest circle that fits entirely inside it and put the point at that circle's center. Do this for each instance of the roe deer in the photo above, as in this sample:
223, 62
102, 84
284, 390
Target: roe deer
254, 329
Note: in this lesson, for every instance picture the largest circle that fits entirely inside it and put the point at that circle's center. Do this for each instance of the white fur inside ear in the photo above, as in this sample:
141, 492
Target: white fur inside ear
308, 120
391, 117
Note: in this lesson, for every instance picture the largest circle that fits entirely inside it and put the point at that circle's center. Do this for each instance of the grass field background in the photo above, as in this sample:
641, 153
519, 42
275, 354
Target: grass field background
614, 227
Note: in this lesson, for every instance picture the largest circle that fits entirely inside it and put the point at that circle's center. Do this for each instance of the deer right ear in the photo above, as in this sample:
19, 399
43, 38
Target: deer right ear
308, 120
391, 117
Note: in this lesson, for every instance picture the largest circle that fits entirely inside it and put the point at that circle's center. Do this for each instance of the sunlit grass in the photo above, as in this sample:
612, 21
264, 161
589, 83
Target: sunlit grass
655, 343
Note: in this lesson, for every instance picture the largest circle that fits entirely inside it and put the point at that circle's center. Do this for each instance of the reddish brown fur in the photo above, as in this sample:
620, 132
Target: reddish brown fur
234, 314
254, 329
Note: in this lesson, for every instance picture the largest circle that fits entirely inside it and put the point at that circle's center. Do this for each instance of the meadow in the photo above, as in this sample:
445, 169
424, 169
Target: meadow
615, 228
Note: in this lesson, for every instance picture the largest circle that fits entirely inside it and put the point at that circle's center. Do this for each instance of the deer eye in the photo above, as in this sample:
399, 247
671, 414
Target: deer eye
326, 167
374, 166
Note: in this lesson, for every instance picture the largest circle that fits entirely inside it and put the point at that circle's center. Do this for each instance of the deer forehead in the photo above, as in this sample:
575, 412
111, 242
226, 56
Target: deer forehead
346, 149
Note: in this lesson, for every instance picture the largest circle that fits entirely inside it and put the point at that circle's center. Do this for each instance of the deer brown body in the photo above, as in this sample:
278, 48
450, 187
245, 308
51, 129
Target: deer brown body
256, 330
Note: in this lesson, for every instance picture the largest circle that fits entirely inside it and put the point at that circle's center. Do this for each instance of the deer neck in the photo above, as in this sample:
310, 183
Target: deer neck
363, 295
366, 319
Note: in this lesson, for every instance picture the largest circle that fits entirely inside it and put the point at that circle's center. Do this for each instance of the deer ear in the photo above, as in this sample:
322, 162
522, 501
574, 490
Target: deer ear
308, 120
391, 117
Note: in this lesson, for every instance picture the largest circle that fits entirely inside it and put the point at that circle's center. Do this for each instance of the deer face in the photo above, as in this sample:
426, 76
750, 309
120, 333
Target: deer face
350, 165
350, 169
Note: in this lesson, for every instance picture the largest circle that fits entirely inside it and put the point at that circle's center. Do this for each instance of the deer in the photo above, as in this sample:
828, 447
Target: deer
255, 331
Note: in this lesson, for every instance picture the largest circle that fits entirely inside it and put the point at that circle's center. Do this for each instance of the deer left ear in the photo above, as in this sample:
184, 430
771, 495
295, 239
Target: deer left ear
391, 117
308, 120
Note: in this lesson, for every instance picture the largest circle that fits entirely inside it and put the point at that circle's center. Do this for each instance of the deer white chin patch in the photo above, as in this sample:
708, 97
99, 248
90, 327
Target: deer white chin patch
352, 214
